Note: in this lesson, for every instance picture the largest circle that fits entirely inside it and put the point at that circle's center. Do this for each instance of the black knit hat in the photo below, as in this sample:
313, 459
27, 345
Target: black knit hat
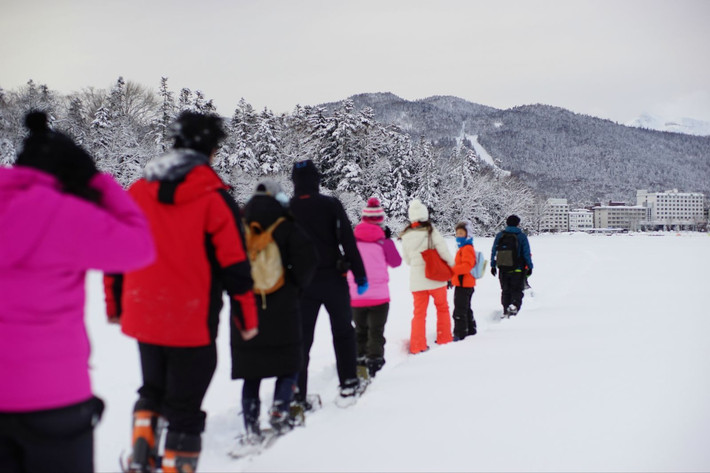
513, 221
197, 131
57, 154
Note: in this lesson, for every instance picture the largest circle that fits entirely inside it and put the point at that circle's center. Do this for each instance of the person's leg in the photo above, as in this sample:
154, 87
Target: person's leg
460, 313
309, 307
517, 288
443, 317
376, 320
504, 278
60, 439
362, 328
10, 451
251, 405
190, 372
279, 415
337, 302
417, 339
148, 408
471, 325
377, 317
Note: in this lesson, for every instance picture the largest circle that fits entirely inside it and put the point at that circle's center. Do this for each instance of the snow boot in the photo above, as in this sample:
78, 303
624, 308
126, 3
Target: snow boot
351, 387
144, 442
251, 409
280, 417
181, 452
512, 309
375, 364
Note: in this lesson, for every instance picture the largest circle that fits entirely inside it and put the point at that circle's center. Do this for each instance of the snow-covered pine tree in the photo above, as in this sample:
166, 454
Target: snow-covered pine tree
397, 183
266, 149
75, 124
166, 115
185, 100
428, 176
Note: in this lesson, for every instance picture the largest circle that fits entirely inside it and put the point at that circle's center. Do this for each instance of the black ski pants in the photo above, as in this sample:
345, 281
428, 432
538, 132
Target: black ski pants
175, 380
50, 440
464, 323
333, 293
512, 285
370, 329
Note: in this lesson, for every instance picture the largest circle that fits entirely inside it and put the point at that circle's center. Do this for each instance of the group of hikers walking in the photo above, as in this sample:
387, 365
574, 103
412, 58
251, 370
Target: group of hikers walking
169, 248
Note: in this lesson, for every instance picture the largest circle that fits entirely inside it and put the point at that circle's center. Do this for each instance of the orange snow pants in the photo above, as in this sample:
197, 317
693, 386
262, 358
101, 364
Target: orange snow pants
417, 341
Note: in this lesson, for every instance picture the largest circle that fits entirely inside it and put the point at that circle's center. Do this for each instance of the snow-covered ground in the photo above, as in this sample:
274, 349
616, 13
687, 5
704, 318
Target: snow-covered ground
605, 369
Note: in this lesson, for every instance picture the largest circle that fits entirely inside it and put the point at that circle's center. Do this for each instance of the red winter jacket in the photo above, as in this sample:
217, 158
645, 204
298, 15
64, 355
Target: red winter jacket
177, 300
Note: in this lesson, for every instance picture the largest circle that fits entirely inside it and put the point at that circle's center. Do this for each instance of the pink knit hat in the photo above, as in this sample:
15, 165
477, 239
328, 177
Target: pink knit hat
373, 213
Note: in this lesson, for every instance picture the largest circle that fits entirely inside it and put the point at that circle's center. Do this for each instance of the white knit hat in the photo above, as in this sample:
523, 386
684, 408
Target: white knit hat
418, 211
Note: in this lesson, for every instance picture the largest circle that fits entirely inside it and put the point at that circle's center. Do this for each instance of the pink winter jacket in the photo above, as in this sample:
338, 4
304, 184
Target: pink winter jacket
377, 254
48, 240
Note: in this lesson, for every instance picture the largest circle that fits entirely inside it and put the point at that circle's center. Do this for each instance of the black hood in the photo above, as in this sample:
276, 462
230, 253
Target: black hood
305, 177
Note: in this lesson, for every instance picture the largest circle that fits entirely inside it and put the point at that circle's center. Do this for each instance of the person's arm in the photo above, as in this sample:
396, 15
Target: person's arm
226, 235
525, 248
392, 257
347, 240
113, 236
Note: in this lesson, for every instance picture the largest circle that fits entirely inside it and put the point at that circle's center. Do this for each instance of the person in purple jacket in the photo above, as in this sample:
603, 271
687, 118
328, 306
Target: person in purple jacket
371, 308
59, 217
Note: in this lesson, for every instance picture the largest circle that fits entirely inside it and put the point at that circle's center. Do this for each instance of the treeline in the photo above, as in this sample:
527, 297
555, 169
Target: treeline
128, 124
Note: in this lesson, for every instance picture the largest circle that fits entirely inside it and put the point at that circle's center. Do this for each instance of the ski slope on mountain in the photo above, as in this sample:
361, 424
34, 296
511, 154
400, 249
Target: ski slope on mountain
604, 369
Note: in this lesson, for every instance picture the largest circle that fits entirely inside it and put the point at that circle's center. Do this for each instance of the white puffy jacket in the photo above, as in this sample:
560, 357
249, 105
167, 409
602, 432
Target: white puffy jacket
414, 241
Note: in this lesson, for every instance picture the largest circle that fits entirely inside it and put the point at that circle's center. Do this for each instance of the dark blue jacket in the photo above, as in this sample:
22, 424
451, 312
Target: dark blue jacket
523, 246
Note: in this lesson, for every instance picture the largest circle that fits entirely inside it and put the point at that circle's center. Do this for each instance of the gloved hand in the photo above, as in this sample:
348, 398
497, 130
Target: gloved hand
362, 285
449, 285
494, 271
388, 232
529, 273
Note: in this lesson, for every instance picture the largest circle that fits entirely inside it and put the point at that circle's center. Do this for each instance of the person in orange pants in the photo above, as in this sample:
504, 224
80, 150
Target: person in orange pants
415, 239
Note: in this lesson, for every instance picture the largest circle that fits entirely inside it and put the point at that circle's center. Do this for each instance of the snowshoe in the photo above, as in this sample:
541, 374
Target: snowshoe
350, 391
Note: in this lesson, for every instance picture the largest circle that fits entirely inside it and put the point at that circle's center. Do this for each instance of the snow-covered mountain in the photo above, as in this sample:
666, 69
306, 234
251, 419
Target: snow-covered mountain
556, 152
689, 126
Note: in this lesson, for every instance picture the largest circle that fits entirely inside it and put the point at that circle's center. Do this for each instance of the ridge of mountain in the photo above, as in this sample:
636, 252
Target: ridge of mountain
557, 152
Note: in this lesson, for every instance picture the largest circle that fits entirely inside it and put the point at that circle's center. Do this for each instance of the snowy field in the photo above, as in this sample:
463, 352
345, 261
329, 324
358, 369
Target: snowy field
606, 368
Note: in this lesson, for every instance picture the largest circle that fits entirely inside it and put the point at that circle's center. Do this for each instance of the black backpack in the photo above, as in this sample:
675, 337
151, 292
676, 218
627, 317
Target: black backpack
507, 252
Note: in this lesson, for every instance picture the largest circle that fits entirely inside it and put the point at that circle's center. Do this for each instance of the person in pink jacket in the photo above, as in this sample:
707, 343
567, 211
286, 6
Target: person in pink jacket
370, 308
58, 218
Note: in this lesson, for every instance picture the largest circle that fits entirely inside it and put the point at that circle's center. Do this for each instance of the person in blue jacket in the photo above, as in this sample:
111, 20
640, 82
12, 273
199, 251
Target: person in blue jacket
510, 259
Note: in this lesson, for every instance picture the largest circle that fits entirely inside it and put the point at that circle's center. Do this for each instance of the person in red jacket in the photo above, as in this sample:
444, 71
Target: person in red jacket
463, 282
172, 306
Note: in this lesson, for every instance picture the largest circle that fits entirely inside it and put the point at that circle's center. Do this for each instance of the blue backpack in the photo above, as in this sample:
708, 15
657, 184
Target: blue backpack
480, 268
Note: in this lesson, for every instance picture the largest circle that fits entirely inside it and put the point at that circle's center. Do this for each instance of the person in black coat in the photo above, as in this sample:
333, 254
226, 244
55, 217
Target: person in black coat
326, 222
277, 350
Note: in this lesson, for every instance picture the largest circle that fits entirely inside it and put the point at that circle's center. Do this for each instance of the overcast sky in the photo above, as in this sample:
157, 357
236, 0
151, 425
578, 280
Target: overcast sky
613, 59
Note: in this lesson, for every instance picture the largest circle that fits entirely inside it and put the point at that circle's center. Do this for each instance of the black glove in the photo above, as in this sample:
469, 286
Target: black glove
388, 232
449, 285
494, 271
529, 273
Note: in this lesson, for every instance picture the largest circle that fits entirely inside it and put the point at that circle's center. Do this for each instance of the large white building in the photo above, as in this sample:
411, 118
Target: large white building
619, 217
581, 220
672, 208
556, 218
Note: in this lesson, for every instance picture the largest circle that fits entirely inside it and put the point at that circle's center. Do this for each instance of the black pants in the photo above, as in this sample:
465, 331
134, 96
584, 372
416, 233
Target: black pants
370, 330
175, 380
512, 285
333, 293
54, 440
464, 323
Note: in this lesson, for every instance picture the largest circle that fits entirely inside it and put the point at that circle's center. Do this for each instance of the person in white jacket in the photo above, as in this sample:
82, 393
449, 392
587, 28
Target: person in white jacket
415, 239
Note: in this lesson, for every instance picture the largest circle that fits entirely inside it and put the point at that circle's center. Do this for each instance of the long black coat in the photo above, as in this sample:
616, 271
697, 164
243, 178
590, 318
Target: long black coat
277, 349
